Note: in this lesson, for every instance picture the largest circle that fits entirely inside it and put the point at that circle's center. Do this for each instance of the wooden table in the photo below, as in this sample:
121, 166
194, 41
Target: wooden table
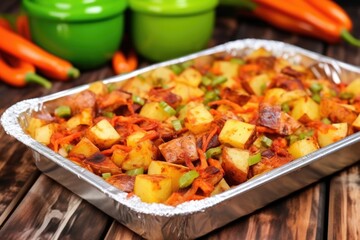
32, 206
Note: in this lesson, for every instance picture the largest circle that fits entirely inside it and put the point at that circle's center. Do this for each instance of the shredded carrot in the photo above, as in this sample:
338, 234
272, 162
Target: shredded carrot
233, 105
262, 129
203, 163
66, 139
249, 68
150, 136
208, 139
115, 147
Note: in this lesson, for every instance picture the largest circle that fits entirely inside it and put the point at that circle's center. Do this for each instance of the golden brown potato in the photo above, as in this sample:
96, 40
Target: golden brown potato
236, 164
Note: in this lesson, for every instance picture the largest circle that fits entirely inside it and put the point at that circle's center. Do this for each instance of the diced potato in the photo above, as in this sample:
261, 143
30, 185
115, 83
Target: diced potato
356, 123
222, 186
43, 134
280, 95
83, 118
84, 147
187, 92
153, 188
237, 134
138, 86
33, 124
99, 88
228, 70
257, 84
154, 111
141, 154
183, 111
198, 119
118, 157
190, 76
305, 109
334, 134
354, 87
163, 77
174, 171
103, 134
236, 164
303, 147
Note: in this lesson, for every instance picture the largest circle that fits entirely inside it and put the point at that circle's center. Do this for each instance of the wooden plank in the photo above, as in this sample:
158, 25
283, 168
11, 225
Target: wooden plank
50, 211
119, 231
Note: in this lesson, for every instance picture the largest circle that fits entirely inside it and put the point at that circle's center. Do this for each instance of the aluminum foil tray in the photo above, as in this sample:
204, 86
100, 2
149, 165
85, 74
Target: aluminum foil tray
195, 218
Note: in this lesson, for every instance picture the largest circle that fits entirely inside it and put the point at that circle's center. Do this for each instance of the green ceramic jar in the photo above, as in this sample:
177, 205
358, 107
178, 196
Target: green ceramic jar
86, 33
166, 29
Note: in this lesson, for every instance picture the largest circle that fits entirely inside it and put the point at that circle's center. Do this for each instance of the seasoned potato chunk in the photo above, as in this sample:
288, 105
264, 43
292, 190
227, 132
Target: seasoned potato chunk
84, 147
236, 164
34, 123
154, 111
43, 134
152, 188
305, 109
174, 171
331, 135
237, 134
198, 119
303, 147
82, 118
222, 186
103, 134
190, 76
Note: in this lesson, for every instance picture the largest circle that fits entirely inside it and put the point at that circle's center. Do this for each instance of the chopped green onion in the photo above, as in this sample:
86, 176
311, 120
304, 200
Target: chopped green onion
108, 114
316, 87
267, 142
187, 64
210, 96
346, 95
176, 124
218, 80
106, 175
326, 121
178, 108
254, 159
292, 139
138, 100
187, 178
316, 97
167, 108
213, 152
304, 135
206, 81
63, 111
177, 69
134, 172
68, 147
237, 60
285, 107
263, 88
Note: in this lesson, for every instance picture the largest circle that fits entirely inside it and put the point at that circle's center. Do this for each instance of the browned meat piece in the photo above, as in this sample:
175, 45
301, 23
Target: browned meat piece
179, 149
265, 62
113, 100
122, 181
214, 141
160, 94
292, 72
273, 118
288, 83
336, 112
229, 94
82, 100
102, 164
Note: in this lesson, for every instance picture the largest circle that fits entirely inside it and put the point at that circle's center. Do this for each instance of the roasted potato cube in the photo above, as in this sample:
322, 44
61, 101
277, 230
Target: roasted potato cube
305, 109
198, 119
118, 157
138, 86
43, 134
99, 88
222, 186
337, 132
154, 111
356, 123
174, 171
83, 118
153, 188
237, 134
34, 123
228, 70
186, 92
84, 147
303, 147
280, 95
257, 84
179, 149
354, 87
163, 77
141, 154
236, 164
103, 134
190, 76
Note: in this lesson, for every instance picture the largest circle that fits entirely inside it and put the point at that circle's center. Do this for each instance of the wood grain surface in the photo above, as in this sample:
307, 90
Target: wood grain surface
32, 206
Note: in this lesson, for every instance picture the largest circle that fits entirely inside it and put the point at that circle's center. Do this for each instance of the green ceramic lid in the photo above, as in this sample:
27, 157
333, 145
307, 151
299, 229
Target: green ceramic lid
74, 10
172, 7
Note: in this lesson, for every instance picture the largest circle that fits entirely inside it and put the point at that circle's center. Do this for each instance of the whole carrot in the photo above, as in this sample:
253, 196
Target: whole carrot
19, 73
22, 26
121, 64
25, 50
